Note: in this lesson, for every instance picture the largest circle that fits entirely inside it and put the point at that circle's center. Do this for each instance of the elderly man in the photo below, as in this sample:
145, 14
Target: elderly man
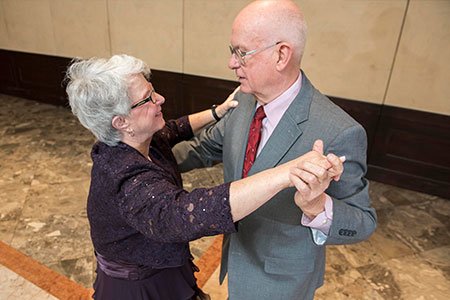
278, 251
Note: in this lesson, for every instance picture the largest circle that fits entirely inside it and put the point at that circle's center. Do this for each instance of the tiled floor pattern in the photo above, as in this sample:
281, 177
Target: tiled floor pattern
45, 250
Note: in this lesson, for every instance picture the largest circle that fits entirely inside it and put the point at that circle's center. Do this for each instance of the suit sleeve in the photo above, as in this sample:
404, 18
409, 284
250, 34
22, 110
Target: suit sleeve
203, 150
354, 219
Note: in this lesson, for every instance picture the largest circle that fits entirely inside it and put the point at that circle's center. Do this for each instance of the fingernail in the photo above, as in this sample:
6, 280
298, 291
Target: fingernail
342, 158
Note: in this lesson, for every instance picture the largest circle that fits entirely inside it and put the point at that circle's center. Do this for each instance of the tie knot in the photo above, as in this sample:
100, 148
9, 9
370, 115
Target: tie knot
260, 114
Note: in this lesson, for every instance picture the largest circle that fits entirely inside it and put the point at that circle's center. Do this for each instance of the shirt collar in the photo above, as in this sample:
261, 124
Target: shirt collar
276, 108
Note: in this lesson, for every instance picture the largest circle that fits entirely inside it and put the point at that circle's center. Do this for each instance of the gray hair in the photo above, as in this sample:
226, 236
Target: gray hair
98, 91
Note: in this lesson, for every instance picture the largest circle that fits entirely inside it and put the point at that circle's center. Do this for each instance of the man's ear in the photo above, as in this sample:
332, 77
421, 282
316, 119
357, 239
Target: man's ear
119, 122
284, 55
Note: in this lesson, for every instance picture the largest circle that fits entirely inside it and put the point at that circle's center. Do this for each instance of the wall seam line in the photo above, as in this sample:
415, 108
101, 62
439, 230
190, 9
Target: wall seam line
109, 27
183, 36
395, 53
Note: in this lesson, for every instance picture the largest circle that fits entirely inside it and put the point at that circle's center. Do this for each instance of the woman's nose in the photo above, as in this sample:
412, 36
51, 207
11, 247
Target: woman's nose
159, 98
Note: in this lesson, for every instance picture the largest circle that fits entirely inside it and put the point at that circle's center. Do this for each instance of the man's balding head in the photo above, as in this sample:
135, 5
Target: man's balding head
272, 21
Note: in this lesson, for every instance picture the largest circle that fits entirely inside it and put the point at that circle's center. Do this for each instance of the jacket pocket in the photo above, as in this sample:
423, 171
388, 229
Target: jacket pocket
281, 266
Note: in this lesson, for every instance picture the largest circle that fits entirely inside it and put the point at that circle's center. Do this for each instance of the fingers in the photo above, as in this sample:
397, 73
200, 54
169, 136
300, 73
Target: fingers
232, 103
331, 162
296, 181
337, 166
318, 146
223, 108
226, 106
310, 200
315, 158
310, 182
311, 175
235, 91
231, 96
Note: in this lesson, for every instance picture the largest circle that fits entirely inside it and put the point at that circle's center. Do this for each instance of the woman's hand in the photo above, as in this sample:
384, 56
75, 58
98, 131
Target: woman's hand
312, 179
332, 164
222, 109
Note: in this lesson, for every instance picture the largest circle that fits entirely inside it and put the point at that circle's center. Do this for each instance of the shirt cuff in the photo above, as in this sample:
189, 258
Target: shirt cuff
322, 221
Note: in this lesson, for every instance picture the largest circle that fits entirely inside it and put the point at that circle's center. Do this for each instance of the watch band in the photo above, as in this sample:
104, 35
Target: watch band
213, 110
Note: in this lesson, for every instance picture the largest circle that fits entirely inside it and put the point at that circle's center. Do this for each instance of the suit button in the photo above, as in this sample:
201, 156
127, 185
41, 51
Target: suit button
347, 232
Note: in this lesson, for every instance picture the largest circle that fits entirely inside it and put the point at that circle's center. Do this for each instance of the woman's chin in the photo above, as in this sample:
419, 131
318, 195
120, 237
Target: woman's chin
163, 122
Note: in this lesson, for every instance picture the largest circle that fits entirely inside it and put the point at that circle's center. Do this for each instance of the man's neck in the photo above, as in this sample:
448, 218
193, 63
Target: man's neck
283, 86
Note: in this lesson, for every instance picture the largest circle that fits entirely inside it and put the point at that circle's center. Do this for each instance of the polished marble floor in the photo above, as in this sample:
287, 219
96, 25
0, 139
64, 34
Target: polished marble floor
44, 179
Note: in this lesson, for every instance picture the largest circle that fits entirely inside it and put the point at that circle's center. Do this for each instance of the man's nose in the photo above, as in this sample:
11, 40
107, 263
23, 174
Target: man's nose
233, 62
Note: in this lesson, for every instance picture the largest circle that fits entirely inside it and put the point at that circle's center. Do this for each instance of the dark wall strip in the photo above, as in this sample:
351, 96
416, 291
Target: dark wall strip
407, 148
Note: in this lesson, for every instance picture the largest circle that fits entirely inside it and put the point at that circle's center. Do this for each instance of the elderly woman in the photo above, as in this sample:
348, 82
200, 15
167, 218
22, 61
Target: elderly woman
141, 219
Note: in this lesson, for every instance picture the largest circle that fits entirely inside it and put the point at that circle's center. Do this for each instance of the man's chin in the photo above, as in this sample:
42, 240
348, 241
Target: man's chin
245, 89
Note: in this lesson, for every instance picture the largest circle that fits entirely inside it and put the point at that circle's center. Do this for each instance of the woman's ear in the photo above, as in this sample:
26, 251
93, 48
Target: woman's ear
119, 123
284, 55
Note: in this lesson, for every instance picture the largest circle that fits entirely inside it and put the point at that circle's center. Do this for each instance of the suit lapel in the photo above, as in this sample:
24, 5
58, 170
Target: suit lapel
287, 132
242, 126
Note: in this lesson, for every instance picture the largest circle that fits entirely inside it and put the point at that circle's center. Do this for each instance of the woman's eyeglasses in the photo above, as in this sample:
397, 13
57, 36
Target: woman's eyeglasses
148, 99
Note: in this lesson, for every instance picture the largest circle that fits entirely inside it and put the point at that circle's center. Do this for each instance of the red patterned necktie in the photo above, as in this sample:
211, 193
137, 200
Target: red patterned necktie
254, 136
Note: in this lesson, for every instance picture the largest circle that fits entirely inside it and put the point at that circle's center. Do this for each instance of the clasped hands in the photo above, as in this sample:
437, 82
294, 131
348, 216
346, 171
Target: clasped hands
311, 176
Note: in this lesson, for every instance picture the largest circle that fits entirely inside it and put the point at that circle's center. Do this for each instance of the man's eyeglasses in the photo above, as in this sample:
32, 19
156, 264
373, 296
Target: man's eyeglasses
241, 55
148, 99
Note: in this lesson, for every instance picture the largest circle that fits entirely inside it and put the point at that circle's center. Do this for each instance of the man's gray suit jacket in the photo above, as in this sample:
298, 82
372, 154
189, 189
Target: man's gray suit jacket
272, 256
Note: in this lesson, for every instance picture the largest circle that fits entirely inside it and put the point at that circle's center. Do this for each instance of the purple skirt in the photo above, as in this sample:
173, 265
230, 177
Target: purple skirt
167, 284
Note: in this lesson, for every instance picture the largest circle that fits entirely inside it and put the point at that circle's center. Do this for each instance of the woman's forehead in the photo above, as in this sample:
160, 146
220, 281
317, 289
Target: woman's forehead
138, 86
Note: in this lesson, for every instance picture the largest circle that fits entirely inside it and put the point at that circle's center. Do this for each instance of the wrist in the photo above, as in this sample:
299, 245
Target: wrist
279, 177
316, 206
282, 172
214, 113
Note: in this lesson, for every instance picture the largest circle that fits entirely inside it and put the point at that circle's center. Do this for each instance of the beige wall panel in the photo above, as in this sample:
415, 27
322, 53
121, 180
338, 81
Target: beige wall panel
28, 26
80, 27
207, 36
351, 45
148, 29
421, 75
3, 32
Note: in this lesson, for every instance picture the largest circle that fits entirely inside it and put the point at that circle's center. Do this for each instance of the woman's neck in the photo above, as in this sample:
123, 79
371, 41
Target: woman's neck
141, 146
